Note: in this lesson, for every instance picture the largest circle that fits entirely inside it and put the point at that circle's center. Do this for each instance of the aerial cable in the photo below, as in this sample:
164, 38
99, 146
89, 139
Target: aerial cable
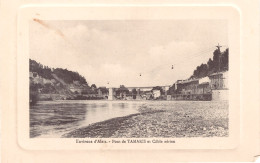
195, 56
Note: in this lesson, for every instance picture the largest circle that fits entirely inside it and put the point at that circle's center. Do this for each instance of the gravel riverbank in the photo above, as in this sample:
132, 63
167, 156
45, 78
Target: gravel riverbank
164, 119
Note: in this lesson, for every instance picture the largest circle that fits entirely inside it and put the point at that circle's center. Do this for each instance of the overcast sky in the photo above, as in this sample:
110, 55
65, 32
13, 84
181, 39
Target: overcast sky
117, 51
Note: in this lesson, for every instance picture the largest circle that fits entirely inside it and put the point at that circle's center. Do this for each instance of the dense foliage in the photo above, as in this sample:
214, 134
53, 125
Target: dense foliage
69, 76
64, 74
33, 94
218, 64
93, 86
158, 88
122, 89
43, 71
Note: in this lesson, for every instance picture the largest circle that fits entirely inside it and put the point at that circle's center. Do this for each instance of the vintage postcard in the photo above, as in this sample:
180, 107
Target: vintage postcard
130, 82
129, 78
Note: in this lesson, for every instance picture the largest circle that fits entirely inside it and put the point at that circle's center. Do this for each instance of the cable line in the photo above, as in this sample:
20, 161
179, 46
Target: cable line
184, 59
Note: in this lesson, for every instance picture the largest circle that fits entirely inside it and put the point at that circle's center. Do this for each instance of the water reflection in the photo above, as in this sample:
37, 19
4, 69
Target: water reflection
55, 118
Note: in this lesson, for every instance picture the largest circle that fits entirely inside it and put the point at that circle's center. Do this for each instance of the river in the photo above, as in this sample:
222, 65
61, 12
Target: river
51, 119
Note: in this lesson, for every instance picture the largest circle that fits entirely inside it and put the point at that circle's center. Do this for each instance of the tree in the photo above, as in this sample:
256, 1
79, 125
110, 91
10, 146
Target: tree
33, 93
134, 92
171, 90
216, 60
224, 60
203, 70
158, 88
122, 89
69, 76
103, 90
94, 86
210, 66
219, 63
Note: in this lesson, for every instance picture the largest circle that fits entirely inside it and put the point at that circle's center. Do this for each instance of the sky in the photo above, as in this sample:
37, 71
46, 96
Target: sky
118, 51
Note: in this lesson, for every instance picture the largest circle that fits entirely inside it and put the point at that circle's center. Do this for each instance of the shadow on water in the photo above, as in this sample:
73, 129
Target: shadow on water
54, 118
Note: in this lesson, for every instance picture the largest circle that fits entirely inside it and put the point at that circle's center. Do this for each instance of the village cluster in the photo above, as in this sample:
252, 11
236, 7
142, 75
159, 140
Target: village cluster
212, 87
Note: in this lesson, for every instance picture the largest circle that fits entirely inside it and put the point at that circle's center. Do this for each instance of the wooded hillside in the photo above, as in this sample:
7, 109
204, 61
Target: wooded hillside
64, 74
217, 64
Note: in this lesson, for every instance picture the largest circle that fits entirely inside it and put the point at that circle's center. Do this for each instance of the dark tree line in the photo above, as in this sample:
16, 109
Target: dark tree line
64, 74
122, 89
33, 93
69, 76
158, 88
43, 71
219, 63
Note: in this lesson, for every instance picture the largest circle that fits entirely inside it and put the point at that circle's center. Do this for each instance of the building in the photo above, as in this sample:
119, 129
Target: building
35, 78
122, 92
102, 92
189, 86
156, 94
76, 89
192, 89
219, 80
219, 85
147, 95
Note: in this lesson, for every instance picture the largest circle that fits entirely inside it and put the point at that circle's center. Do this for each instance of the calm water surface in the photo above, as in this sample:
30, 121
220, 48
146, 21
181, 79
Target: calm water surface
55, 118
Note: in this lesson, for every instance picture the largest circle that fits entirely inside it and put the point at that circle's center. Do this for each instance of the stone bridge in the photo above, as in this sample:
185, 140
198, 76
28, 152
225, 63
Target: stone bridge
111, 95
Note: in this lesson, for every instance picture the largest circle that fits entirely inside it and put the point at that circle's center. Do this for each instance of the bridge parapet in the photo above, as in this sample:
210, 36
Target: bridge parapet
111, 95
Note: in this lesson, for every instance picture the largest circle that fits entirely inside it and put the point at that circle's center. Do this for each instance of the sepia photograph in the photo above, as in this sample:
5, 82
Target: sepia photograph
129, 78
139, 82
